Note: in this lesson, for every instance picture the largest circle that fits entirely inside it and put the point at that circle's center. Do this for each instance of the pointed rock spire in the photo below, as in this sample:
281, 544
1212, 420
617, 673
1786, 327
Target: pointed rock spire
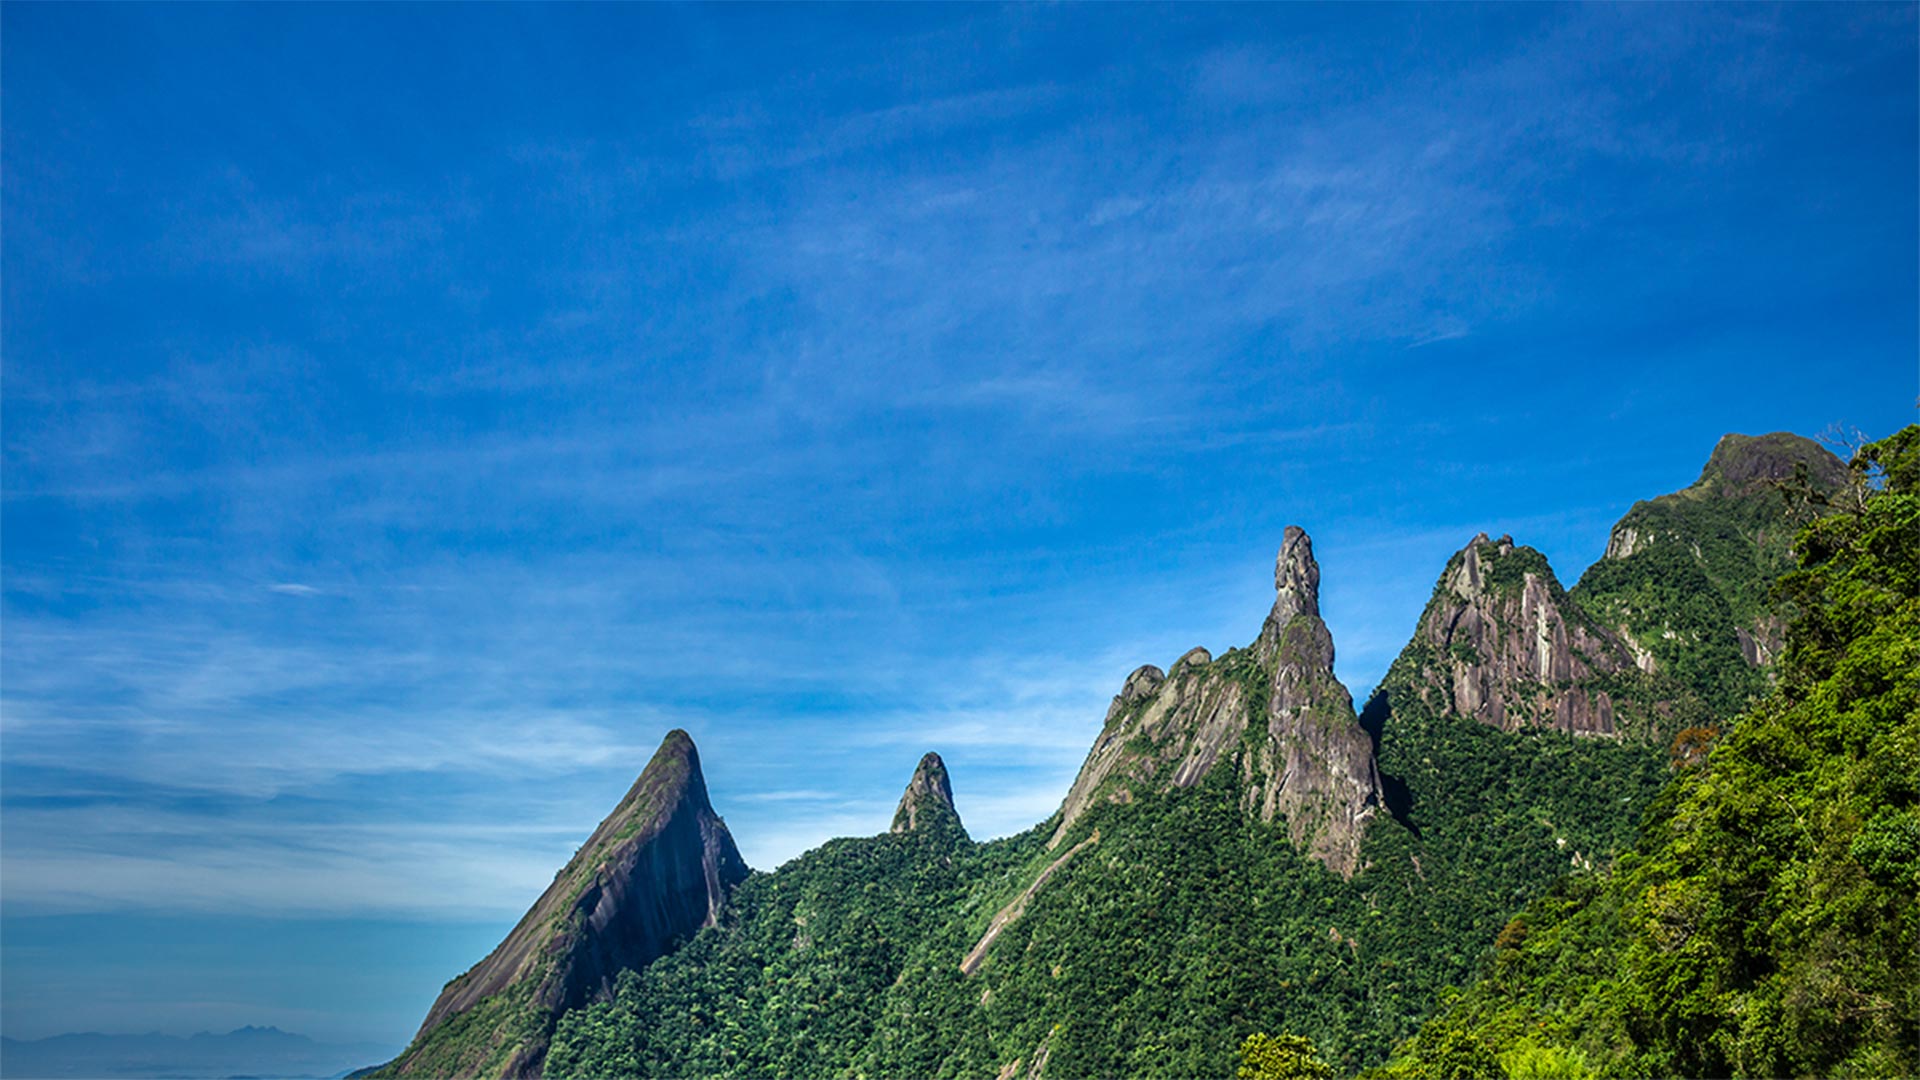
655, 871
1317, 769
1296, 586
1313, 765
928, 798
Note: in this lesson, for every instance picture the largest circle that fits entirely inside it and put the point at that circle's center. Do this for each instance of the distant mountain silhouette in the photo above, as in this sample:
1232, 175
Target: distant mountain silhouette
256, 1053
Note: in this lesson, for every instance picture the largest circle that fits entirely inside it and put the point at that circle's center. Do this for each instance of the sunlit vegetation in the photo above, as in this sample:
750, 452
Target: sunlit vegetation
1766, 924
1716, 892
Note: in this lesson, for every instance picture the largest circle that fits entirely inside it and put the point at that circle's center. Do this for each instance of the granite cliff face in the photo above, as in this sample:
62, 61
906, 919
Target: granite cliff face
656, 870
928, 801
1671, 626
1505, 645
1316, 766
1274, 712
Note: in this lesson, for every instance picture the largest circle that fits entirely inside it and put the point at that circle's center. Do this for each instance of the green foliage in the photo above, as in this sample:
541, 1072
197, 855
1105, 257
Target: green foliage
1893, 462
1288, 1057
1508, 573
792, 981
1531, 1061
1188, 919
1703, 563
1189, 924
1888, 848
1666, 599
1767, 923
480, 1041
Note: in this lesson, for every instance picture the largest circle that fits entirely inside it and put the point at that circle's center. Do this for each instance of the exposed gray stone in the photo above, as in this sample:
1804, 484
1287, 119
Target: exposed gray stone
1511, 656
928, 798
655, 871
1314, 764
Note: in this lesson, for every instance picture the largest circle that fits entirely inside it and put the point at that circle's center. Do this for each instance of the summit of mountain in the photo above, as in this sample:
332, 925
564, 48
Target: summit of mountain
655, 871
1238, 851
1685, 578
1273, 712
928, 801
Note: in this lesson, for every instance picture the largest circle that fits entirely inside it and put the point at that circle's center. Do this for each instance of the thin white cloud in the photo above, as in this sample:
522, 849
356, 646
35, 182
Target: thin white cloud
368, 873
741, 513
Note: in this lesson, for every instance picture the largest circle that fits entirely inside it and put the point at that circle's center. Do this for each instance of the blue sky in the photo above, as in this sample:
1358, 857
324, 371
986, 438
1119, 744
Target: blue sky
412, 413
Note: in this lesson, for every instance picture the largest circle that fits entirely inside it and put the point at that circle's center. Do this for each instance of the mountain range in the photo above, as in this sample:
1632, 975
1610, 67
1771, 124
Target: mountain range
1242, 851
258, 1052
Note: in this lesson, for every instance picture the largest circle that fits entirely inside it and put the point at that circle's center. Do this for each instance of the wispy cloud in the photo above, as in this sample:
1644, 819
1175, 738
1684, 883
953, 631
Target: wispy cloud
106, 859
838, 412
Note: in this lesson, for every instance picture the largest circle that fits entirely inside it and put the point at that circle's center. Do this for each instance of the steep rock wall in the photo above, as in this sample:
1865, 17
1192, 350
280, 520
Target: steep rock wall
1274, 710
1508, 647
654, 872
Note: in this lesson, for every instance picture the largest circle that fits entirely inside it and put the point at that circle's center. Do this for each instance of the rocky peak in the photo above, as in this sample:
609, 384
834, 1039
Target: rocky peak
1506, 646
1142, 684
1316, 768
1296, 587
1194, 657
928, 798
1743, 463
1686, 576
1743, 470
654, 872
1311, 764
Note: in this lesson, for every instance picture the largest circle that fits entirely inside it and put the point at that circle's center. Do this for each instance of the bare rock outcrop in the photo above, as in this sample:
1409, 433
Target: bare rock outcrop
928, 801
1317, 767
655, 871
1183, 725
1509, 648
1274, 711
1296, 592
1673, 621
1743, 464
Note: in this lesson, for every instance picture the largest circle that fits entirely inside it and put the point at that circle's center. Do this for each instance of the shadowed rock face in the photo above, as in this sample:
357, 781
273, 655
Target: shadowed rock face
1742, 464
1313, 764
1510, 648
928, 799
654, 872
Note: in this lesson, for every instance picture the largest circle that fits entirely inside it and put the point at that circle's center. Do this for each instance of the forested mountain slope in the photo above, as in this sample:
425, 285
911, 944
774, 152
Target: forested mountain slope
1684, 581
1240, 851
1766, 924
655, 871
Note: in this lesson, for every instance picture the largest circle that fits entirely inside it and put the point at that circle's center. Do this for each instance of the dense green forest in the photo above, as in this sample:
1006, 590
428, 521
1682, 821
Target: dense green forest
1603, 896
1183, 927
1766, 925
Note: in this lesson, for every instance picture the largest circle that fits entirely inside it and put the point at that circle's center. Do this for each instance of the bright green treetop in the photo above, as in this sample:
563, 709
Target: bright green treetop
1284, 1057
